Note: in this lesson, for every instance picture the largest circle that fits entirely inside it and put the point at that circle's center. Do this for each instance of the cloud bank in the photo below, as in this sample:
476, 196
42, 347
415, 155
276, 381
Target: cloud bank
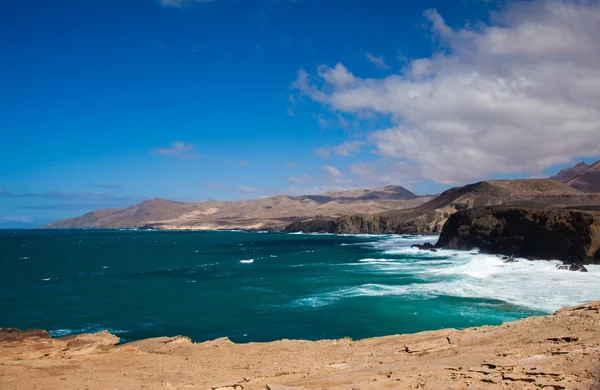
512, 97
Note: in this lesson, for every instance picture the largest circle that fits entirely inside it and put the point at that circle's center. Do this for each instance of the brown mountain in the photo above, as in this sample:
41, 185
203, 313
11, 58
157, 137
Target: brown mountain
587, 180
568, 173
265, 213
429, 218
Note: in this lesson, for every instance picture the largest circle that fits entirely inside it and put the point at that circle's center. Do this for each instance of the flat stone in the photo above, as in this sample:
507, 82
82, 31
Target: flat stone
433, 345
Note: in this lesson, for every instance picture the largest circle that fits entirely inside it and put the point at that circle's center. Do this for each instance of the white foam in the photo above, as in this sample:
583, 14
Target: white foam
537, 285
249, 261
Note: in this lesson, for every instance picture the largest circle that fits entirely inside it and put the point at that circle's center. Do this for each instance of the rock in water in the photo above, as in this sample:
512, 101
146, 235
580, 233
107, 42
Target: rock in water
568, 235
425, 246
573, 267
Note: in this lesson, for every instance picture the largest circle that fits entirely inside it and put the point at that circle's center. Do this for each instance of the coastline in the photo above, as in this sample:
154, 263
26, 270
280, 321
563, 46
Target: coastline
559, 351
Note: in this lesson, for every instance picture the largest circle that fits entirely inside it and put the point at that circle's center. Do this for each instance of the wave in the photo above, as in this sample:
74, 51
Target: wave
249, 261
88, 329
537, 285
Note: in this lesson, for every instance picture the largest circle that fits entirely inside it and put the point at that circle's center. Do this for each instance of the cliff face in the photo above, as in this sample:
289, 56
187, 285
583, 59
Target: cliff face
430, 217
569, 235
559, 351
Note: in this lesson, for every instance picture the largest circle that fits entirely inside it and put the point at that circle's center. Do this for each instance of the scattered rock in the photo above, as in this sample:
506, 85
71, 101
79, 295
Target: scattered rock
510, 260
227, 386
573, 267
564, 339
425, 246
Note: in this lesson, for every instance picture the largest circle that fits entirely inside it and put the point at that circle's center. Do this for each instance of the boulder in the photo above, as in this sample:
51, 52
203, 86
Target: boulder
573, 267
425, 246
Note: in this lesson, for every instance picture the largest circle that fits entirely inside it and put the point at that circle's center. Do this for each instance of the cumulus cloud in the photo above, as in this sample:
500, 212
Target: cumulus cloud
383, 172
332, 171
247, 189
377, 61
348, 149
512, 97
300, 179
322, 152
180, 3
178, 149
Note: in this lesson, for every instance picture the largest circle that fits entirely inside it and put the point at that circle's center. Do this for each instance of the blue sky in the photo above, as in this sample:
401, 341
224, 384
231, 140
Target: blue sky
104, 103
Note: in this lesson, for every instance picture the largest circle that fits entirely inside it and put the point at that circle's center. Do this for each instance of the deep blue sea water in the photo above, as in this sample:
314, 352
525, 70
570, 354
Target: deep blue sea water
265, 286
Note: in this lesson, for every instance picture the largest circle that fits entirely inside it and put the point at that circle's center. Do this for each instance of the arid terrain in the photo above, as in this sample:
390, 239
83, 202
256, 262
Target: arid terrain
392, 209
430, 217
265, 213
582, 176
560, 351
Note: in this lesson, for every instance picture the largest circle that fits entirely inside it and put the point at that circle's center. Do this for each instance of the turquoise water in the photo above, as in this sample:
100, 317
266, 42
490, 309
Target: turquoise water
264, 286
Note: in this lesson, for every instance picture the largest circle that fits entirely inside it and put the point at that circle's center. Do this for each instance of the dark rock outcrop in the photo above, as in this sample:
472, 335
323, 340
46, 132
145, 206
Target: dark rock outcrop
425, 246
573, 267
568, 235
429, 218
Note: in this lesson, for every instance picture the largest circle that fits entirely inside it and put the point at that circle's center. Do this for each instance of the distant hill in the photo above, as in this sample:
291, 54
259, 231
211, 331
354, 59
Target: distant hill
568, 173
430, 217
586, 180
266, 213
584, 177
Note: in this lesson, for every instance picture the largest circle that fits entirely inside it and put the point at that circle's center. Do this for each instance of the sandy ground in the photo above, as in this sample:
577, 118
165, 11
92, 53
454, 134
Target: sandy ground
560, 351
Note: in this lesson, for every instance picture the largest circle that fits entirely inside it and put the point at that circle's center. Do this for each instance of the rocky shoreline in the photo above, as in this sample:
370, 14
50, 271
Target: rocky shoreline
559, 351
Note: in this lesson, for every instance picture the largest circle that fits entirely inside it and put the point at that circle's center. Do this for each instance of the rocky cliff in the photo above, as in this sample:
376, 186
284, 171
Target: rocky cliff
572, 236
559, 351
430, 217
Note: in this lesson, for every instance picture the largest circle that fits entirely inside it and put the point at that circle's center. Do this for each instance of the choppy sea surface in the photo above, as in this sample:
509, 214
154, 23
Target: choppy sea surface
265, 286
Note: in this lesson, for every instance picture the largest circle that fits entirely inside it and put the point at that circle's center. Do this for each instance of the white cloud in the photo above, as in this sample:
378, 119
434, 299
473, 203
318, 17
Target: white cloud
348, 149
247, 189
383, 172
177, 148
300, 179
322, 152
378, 61
180, 3
333, 171
510, 98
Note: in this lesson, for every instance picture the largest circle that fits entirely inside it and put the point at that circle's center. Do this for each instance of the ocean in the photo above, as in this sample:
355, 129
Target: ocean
265, 286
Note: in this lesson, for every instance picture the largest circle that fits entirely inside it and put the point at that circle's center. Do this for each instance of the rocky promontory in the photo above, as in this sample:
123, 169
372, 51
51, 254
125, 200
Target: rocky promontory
429, 218
572, 236
559, 351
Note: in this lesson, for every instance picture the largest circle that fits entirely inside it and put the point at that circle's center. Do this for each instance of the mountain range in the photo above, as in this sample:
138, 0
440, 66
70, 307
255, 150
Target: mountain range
265, 213
392, 209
